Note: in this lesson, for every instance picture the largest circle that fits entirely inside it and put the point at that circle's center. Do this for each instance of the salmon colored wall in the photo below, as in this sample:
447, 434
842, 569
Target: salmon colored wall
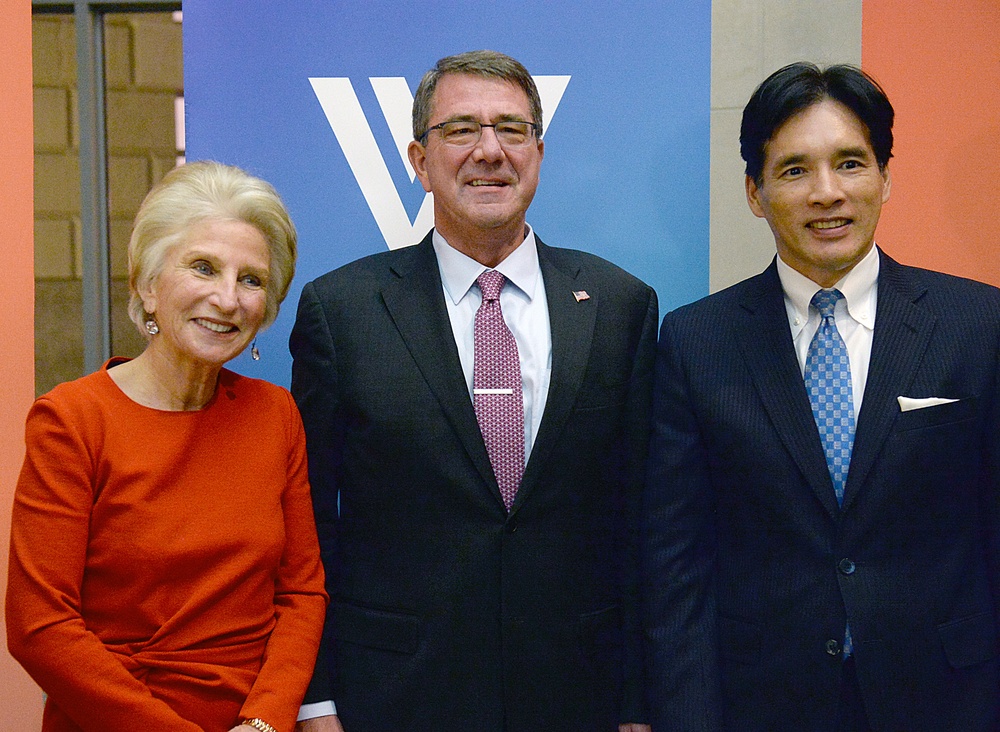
939, 62
22, 701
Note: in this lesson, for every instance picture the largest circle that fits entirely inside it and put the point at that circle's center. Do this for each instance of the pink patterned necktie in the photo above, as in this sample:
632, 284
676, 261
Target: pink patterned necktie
496, 388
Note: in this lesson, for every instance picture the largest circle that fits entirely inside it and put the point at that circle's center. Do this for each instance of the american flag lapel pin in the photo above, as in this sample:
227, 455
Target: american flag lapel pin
581, 295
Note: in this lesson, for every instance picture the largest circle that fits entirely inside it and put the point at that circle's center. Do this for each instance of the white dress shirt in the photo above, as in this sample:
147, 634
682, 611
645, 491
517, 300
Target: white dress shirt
854, 315
525, 311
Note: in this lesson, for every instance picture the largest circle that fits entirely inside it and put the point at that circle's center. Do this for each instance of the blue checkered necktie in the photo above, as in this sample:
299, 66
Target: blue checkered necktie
828, 381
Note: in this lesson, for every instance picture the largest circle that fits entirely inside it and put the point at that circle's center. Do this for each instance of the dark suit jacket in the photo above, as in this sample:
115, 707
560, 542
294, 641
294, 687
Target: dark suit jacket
753, 568
447, 613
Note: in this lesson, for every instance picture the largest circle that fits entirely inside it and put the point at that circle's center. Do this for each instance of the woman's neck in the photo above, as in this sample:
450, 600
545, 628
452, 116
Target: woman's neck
160, 383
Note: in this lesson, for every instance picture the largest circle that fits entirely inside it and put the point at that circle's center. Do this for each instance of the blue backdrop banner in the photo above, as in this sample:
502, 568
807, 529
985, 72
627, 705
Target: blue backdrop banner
315, 97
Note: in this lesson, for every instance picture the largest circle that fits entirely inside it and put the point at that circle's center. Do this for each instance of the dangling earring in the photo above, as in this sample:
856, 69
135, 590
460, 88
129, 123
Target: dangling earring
254, 353
151, 327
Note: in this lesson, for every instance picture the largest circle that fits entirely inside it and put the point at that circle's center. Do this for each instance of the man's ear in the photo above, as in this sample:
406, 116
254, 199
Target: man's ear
418, 159
887, 186
753, 197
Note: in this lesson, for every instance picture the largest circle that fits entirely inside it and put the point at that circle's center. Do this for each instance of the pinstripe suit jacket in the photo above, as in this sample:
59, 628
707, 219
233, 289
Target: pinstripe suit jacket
753, 570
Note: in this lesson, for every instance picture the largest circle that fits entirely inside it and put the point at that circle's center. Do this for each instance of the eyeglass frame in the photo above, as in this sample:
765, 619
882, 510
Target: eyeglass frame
535, 127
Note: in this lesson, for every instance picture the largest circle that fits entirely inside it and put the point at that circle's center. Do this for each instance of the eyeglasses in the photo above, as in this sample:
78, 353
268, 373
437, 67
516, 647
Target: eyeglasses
466, 133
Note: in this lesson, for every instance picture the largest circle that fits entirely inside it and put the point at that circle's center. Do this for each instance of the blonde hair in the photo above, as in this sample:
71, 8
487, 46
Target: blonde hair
201, 191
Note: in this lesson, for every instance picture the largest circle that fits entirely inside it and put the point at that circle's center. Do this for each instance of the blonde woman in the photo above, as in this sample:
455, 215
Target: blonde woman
165, 572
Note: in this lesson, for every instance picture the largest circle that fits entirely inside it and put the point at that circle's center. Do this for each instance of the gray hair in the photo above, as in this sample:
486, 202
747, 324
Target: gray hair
488, 64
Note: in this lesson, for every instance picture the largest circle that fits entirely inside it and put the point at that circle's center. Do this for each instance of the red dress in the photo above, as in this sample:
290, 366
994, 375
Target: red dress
164, 567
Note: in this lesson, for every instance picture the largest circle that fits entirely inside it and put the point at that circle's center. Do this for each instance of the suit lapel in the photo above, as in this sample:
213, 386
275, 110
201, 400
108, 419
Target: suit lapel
415, 301
572, 327
766, 343
902, 332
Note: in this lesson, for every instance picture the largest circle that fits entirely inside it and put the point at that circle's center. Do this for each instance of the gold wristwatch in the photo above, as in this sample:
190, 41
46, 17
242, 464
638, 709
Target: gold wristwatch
258, 723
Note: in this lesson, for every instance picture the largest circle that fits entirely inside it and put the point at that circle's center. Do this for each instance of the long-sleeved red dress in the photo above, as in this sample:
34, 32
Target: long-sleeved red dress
164, 567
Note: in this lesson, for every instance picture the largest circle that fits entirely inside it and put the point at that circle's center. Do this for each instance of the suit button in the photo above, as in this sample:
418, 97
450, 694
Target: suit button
511, 526
832, 647
846, 566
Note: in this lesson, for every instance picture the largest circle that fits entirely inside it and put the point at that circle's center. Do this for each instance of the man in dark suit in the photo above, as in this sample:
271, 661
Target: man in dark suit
821, 528
480, 537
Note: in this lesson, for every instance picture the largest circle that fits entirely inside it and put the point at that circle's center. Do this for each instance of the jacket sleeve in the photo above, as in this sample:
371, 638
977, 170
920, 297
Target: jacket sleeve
46, 632
678, 556
640, 393
316, 391
300, 600
991, 490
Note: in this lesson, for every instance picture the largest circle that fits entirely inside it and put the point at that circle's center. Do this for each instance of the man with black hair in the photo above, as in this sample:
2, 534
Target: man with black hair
822, 510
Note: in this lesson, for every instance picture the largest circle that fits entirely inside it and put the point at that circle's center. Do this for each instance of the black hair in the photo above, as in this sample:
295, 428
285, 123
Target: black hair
795, 87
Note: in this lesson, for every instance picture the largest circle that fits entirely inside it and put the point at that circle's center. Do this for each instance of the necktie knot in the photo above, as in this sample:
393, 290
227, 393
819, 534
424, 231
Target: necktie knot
490, 283
826, 301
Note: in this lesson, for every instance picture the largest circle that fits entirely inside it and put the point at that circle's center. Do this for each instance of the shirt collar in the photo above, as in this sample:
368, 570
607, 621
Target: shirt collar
459, 271
859, 288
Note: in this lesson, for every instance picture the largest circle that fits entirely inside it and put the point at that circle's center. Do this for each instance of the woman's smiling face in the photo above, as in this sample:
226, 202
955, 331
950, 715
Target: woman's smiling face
210, 298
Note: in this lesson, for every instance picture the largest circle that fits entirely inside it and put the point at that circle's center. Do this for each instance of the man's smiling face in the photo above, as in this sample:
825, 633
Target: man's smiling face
821, 191
485, 187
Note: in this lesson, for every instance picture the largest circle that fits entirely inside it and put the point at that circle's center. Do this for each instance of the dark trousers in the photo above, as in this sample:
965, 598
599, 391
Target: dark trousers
851, 715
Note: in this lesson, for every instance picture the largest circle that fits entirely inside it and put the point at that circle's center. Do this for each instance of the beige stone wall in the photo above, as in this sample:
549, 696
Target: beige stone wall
143, 64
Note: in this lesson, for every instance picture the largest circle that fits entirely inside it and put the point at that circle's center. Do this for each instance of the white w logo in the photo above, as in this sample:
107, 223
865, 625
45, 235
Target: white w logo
343, 111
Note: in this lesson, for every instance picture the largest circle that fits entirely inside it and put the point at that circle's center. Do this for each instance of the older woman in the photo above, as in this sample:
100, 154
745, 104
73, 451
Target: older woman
164, 570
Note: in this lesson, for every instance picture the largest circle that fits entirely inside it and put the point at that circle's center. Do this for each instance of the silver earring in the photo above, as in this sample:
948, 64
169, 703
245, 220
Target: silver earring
151, 327
254, 353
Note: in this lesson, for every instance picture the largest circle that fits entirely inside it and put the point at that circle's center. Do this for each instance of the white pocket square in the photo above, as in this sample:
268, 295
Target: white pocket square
908, 404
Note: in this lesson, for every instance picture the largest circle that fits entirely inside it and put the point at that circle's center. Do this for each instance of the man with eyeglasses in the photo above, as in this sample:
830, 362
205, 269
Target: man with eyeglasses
477, 409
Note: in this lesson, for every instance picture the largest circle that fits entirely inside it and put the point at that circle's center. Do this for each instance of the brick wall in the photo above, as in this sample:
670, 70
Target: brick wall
143, 65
